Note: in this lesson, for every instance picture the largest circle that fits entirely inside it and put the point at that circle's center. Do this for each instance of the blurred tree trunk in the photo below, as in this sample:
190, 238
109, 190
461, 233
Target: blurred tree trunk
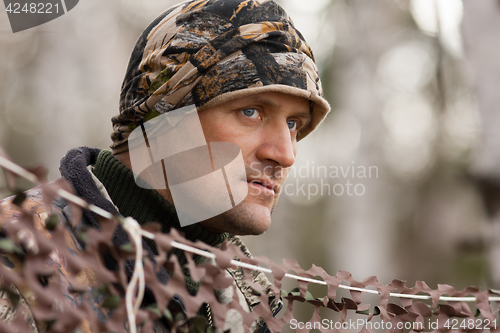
481, 25
364, 223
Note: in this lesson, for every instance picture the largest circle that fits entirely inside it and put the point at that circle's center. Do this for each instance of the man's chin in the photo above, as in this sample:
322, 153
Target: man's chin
244, 219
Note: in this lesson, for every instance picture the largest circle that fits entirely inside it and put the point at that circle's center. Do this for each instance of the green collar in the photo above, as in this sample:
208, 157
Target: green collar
146, 205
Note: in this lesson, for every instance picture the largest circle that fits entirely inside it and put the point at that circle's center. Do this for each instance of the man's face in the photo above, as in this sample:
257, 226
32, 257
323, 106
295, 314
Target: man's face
265, 127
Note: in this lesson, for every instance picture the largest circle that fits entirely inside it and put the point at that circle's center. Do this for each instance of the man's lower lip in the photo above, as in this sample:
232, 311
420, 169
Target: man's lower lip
263, 188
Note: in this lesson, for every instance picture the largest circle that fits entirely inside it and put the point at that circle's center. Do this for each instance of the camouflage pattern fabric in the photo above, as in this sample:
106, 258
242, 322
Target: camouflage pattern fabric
8, 312
206, 52
34, 203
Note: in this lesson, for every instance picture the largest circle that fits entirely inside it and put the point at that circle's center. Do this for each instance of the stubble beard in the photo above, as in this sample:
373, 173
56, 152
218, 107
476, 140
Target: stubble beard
241, 220
247, 218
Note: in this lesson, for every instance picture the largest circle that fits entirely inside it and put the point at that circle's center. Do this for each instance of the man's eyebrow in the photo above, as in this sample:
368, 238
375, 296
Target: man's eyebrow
270, 103
266, 101
305, 114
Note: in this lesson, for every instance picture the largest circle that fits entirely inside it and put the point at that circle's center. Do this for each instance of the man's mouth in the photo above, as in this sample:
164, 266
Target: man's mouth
264, 186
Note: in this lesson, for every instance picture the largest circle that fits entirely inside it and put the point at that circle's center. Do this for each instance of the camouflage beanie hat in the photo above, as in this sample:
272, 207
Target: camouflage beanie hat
206, 52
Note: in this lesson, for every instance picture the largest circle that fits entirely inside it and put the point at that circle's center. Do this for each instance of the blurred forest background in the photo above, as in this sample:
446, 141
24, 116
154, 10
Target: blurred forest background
413, 88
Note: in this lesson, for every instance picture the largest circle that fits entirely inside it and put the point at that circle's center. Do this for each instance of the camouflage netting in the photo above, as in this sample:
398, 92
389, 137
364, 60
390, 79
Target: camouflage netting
33, 259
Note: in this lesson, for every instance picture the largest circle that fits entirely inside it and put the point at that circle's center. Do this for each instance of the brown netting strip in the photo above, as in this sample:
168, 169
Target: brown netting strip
53, 276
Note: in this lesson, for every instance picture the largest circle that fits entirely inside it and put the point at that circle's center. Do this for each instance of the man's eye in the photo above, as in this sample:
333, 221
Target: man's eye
250, 113
292, 124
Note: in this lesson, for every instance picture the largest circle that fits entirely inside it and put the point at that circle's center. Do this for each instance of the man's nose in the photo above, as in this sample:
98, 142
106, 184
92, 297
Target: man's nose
277, 146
